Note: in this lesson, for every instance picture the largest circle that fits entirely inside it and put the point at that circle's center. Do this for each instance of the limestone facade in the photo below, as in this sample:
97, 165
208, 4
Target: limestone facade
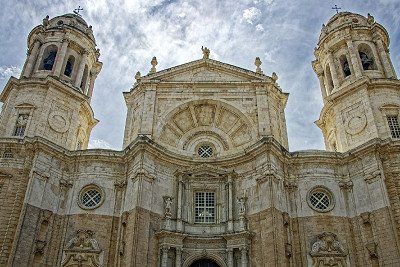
205, 173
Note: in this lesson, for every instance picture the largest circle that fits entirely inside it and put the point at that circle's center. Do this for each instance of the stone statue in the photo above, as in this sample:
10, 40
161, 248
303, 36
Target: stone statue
206, 52
370, 19
168, 206
258, 63
138, 76
242, 206
46, 21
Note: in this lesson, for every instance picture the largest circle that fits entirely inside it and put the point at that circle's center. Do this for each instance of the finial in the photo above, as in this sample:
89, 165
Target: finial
77, 10
258, 63
138, 77
46, 20
274, 76
206, 52
153, 64
370, 19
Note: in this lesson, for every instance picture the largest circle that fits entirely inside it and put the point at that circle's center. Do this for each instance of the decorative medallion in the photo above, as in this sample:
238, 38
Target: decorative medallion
58, 122
356, 124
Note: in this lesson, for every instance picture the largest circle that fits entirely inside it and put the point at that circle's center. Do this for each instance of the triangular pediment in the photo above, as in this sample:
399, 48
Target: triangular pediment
206, 70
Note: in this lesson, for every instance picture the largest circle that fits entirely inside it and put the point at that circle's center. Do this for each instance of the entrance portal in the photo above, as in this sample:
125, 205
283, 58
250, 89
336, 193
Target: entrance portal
204, 263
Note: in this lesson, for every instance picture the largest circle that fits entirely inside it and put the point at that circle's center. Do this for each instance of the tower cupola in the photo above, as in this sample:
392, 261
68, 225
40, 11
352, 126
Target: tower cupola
351, 47
64, 47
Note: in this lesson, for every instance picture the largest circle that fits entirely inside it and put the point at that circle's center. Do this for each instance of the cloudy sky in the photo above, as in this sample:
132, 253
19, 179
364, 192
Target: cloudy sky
283, 33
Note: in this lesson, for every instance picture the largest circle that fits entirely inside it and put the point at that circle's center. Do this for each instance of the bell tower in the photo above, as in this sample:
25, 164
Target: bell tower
358, 83
51, 99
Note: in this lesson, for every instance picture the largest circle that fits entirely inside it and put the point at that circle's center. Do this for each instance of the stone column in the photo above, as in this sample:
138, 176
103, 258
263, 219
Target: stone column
178, 257
60, 58
243, 251
322, 85
354, 58
387, 66
230, 205
93, 77
179, 208
328, 85
230, 257
332, 67
164, 256
33, 55
81, 69
146, 127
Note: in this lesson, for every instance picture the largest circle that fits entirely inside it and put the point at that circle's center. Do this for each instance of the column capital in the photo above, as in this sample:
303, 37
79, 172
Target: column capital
165, 248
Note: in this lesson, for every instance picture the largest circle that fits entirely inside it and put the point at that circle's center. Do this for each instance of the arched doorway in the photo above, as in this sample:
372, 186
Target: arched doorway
204, 263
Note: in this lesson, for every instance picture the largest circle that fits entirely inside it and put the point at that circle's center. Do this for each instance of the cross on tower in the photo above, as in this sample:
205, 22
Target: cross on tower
77, 10
336, 8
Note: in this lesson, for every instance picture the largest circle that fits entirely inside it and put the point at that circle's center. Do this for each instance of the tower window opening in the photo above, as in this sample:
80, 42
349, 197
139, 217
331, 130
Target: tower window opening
366, 57
393, 122
345, 66
69, 66
366, 61
204, 209
20, 126
49, 58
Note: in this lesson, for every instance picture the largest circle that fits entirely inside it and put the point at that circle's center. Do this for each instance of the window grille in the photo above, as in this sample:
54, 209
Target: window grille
8, 153
394, 127
21, 125
91, 198
204, 207
205, 151
320, 200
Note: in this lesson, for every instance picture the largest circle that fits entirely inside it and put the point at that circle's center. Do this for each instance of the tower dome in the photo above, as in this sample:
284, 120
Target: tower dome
64, 47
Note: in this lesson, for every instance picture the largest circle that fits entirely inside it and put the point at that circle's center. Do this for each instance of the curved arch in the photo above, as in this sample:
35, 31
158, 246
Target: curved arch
69, 66
366, 56
205, 255
345, 66
224, 122
48, 57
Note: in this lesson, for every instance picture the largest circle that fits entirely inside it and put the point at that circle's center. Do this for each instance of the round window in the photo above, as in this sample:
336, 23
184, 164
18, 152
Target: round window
205, 151
90, 197
320, 199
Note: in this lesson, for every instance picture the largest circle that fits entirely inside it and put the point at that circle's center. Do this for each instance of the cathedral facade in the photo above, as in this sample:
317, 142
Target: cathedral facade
205, 177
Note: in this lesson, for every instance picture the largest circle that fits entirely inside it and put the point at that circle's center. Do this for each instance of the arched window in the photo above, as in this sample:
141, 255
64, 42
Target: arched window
84, 78
329, 81
69, 66
366, 57
345, 65
49, 58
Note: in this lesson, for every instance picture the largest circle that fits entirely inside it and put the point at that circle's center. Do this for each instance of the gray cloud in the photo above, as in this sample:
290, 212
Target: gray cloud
129, 33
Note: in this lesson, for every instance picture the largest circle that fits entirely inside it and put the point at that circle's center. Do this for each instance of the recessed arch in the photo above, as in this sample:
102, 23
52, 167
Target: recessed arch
48, 57
219, 120
367, 58
204, 256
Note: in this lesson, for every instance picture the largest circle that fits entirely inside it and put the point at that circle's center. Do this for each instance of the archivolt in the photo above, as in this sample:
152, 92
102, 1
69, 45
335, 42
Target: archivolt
223, 121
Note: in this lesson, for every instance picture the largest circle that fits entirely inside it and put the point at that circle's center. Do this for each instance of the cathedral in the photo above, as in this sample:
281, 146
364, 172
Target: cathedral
205, 177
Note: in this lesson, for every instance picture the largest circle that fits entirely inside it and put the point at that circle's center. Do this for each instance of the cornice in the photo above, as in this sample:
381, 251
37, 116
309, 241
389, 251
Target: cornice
265, 145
